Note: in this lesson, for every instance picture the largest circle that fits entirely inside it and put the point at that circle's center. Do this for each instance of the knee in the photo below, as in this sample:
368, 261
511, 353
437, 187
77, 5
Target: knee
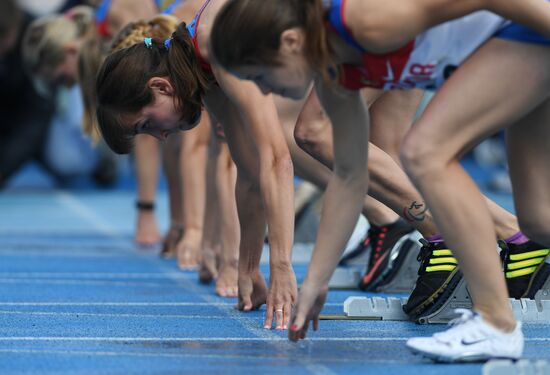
420, 158
309, 134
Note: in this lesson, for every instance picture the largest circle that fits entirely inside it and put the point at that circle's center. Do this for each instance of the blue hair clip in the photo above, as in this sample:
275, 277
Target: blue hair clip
148, 42
167, 43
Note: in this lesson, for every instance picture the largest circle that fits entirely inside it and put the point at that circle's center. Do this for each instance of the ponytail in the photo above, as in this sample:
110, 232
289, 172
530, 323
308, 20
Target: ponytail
121, 84
182, 64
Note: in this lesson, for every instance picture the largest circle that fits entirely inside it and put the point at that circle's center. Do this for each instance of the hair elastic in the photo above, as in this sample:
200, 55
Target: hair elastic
167, 43
148, 42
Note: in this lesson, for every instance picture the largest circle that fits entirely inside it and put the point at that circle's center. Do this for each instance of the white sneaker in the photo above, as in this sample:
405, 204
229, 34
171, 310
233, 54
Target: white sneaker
470, 339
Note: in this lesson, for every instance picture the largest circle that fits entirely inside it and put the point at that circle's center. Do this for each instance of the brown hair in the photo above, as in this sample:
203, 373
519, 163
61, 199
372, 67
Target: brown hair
93, 53
121, 84
248, 32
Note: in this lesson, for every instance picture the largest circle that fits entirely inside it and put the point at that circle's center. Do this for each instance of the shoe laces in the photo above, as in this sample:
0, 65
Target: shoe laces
465, 315
504, 253
461, 326
425, 254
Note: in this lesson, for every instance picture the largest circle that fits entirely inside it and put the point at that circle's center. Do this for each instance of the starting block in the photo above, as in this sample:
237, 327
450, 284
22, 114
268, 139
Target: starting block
345, 278
404, 279
379, 308
521, 367
348, 277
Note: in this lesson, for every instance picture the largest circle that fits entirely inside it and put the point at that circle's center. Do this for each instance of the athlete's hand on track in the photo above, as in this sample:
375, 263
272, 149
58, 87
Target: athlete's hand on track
281, 297
309, 306
252, 290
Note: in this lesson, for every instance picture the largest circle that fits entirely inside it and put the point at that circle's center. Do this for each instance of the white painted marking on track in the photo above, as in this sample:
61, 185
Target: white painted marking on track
214, 339
137, 304
81, 282
84, 212
92, 275
130, 354
113, 315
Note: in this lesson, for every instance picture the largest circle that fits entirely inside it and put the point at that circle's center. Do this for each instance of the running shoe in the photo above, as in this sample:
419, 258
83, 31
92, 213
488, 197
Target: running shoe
438, 276
525, 268
470, 339
386, 242
358, 253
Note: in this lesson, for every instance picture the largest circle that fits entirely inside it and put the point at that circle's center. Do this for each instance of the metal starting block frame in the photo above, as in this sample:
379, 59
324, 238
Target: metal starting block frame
521, 367
405, 278
379, 308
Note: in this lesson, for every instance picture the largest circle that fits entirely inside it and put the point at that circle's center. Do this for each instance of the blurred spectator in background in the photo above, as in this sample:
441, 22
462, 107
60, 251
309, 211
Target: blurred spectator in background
42, 128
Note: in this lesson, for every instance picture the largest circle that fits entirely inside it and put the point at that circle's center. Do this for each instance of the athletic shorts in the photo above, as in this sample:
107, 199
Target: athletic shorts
520, 33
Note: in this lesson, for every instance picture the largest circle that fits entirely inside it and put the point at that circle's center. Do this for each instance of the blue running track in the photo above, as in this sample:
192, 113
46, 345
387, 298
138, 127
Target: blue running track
77, 297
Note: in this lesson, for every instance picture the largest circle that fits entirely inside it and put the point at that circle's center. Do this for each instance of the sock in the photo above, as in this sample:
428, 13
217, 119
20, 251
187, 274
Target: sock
435, 238
517, 239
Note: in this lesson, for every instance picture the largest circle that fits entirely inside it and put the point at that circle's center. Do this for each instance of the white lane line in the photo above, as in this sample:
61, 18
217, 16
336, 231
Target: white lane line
92, 275
82, 282
215, 339
258, 331
116, 304
135, 304
316, 369
130, 354
81, 314
84, 212
66, 254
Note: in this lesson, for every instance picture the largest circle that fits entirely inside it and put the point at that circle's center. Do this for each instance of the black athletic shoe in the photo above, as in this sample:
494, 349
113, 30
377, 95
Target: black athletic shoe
438, 276
525, 268
385, 243
355, 255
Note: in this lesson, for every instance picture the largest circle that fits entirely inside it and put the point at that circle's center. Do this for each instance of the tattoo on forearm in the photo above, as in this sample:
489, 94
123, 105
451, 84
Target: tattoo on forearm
415, 212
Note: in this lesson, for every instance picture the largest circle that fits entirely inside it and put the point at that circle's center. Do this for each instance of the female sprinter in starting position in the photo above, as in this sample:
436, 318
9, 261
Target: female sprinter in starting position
284, 45
156, 87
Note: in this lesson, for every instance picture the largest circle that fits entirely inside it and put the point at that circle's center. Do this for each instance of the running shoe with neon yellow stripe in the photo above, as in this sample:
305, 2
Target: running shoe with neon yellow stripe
438, 276
525, 268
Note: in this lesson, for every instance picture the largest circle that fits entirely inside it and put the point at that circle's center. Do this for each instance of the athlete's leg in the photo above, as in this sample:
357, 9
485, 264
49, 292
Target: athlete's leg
193, 161
528, 155
392, 115
171, 163
226, 285
489, 91
147, 166
388, 183
211, 244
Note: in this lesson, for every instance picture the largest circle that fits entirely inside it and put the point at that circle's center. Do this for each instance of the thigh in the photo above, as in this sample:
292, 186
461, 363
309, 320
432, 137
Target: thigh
391, 117
498, 85
528, 144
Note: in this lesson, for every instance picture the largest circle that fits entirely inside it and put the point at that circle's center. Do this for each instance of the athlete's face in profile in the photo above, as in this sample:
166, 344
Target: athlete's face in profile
281, 80
290, 78
161, 117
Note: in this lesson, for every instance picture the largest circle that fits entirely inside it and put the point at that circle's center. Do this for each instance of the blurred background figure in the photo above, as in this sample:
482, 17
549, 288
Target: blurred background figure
43, 127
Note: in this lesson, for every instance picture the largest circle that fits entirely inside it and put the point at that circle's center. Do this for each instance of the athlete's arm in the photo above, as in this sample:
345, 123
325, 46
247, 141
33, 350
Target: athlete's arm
276, 183
385, 26
342, 201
